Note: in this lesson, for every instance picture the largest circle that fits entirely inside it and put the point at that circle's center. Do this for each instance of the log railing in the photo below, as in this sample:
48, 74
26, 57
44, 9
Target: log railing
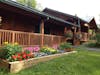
29, 39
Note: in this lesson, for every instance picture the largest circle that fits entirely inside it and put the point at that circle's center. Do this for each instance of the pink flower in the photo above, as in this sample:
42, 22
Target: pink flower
55, 46
36, 48
29, 48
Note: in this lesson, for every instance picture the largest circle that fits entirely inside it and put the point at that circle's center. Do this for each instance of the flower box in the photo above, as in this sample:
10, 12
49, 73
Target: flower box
16, 66
68, 49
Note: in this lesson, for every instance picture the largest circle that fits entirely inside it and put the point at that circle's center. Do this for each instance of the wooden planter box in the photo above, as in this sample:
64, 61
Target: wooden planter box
16, 66
68, 49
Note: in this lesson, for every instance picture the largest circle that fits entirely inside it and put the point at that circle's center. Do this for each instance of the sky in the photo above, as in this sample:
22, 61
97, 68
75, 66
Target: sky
83, 8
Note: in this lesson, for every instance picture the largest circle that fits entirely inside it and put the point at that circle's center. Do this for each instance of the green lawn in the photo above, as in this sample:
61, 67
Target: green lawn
82, 63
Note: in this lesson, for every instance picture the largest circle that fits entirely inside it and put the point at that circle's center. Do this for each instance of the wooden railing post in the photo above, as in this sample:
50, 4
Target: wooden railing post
59, 39
13, 37
52, 40
42, 32
65, 30
0, 38
29, 39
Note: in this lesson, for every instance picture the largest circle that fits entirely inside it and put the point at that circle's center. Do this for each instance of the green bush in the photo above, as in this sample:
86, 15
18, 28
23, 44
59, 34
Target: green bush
65, 45
48, 50
91, 44
8, 49
98, 38
69, 35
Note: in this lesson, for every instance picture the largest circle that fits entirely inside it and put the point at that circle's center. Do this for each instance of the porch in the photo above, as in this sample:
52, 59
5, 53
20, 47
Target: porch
29, 38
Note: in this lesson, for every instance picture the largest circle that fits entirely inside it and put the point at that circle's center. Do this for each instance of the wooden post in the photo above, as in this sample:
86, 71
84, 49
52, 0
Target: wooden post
65, 30
51, 40
13, 37
59, 40
29, 40
0, 38
42, 32
74, 33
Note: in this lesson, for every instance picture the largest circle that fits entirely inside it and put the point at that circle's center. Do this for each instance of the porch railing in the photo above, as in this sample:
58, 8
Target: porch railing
29, 39
85, 36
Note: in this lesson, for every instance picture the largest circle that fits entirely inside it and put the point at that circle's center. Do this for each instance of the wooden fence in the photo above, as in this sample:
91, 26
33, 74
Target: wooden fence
29, 39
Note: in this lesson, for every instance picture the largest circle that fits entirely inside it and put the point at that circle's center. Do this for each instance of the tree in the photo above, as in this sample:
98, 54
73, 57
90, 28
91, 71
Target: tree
31, 3
39, 7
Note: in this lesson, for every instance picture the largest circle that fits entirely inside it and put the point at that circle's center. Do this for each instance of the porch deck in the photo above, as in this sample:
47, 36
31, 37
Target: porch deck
29, 38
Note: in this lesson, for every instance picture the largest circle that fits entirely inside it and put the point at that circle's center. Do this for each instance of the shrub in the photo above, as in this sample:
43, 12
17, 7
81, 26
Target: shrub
9, 49
65, 45
48, 50
98, 38
68, 35
91, 44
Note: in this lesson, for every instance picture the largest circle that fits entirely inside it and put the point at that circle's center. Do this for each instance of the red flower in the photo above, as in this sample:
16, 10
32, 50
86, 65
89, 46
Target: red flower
24, 56
19, 57
19, 54
14, 57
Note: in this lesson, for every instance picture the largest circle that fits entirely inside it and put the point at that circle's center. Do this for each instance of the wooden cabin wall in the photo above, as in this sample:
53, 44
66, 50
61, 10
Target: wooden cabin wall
57, 30
54, 29
14, 21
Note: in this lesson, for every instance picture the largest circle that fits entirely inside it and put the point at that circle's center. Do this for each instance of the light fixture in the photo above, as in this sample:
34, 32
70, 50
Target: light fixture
86, 25
73, 27
0, 20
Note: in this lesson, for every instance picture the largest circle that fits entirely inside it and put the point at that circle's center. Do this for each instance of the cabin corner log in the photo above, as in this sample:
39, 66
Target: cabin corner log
42, 32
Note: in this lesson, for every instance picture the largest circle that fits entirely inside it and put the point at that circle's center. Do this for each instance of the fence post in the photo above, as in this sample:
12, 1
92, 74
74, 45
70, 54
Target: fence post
0, 38
59, 39
13, 37
29, 39
51, 40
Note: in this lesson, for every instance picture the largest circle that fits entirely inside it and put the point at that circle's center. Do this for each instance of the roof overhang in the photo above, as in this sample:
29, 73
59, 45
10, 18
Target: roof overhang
43, 15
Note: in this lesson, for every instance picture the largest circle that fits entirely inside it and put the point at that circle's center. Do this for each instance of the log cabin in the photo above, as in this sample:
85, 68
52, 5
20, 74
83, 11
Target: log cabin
29, 27
83, 28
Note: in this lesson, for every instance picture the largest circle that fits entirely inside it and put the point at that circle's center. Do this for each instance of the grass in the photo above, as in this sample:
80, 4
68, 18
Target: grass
82, 63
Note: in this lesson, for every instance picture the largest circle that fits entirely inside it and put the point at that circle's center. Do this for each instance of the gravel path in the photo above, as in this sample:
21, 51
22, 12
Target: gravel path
87, 48
93, 49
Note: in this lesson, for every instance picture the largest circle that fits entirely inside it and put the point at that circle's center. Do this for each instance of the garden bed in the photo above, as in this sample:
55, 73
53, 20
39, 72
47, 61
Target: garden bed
16, 66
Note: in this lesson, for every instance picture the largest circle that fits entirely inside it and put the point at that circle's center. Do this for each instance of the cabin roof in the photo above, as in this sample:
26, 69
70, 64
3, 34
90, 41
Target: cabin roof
34, 11
64, 16
61, 14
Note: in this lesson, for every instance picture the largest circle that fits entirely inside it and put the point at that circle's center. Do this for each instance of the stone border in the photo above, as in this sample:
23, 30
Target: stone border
16, 66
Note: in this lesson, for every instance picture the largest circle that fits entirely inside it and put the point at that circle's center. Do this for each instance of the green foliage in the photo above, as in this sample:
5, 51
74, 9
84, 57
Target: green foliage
98, 38
81, 63
69, 35
48, 50
31, 3
95, 44
91, 44
65, 45
9, 49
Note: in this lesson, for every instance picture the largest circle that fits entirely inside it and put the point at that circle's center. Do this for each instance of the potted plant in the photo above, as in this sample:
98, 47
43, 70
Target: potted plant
66, 46
69, 35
